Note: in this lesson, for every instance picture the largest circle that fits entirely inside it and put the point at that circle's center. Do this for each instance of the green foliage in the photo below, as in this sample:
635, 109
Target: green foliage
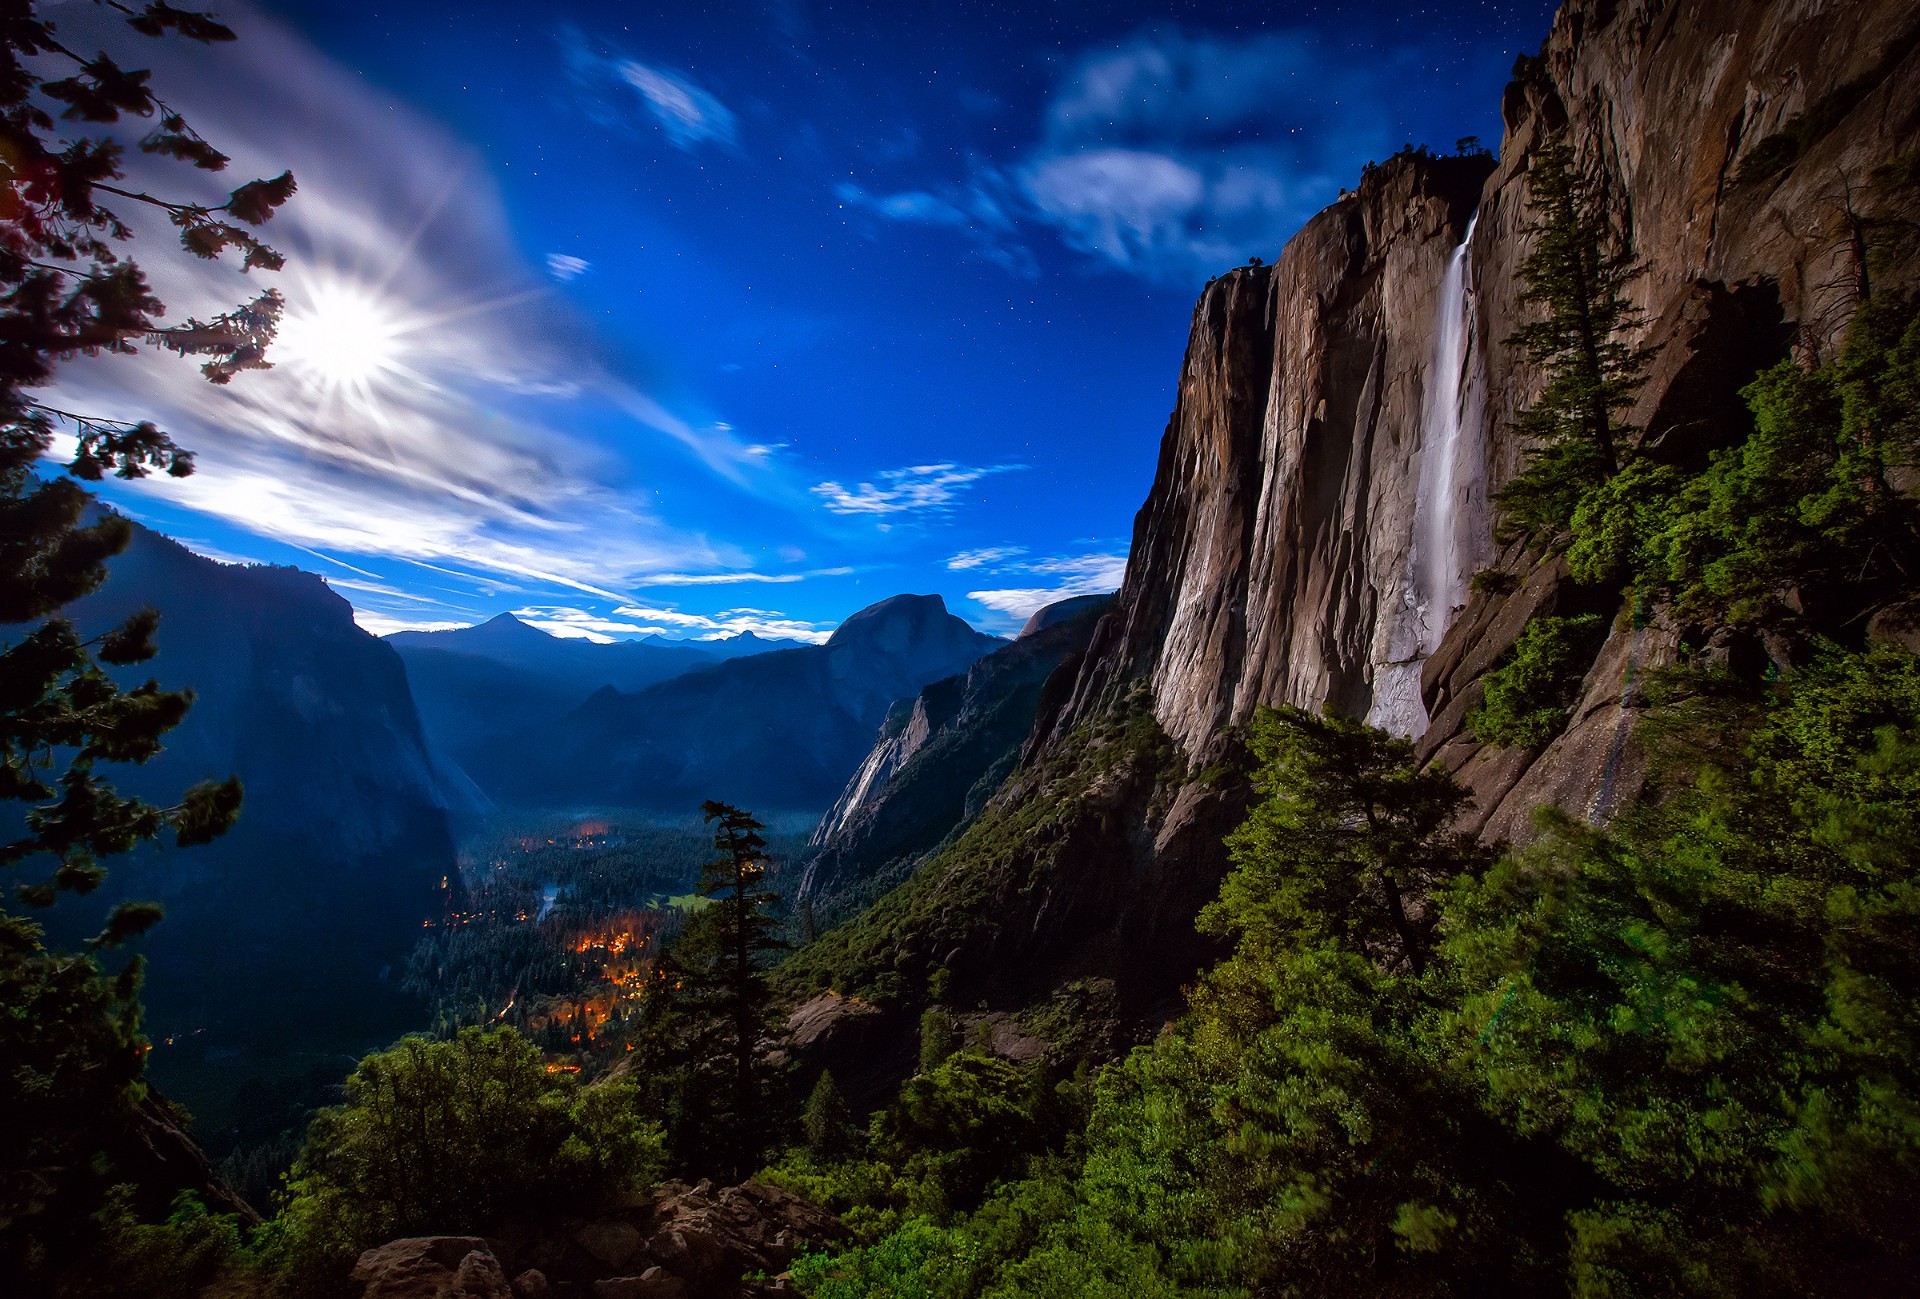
176, 1259
1681, 1056
1800, 523
826, 1123
1348, 842
70, 1050
1576, 273
70, 1070
458, 1137
890, 951
939, 1037
1525, 700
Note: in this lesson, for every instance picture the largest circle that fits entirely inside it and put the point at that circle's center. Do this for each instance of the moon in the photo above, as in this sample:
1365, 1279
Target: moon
342, 336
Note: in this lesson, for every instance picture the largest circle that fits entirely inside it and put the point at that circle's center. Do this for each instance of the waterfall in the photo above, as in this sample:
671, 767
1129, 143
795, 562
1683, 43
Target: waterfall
1450, 522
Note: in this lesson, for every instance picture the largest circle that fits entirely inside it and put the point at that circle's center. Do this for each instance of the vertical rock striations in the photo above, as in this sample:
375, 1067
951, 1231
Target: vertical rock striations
1743, 148
1276, 538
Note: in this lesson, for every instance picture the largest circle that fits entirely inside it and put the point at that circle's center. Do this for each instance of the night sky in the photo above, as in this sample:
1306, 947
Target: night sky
700, 318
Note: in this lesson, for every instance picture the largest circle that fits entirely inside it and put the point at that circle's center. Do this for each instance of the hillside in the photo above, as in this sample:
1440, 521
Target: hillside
288, 928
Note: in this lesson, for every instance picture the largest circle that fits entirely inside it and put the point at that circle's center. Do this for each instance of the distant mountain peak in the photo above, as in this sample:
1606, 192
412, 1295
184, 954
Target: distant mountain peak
898, 620
1061, 610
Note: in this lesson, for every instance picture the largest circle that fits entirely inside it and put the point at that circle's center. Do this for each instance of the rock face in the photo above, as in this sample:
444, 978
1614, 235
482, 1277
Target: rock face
939, 757
1740, 147
779, 731
1267, 557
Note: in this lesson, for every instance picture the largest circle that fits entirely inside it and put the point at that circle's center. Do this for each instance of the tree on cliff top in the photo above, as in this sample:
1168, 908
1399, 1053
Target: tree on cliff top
1576, 272
70, 1055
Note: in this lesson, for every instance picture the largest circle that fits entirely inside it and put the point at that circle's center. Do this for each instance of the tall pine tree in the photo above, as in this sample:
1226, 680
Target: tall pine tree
70, 1052
710, 1026
1577, 273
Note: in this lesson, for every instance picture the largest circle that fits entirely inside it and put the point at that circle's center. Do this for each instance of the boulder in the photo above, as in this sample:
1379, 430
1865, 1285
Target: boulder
654, 1283
610, 1243
430, 1267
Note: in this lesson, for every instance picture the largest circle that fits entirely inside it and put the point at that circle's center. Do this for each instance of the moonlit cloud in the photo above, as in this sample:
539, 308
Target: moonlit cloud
730, 622
564, 266
1073, 575
380, 624
915, 489
1170, 155
986, 557
614, 87
732, 579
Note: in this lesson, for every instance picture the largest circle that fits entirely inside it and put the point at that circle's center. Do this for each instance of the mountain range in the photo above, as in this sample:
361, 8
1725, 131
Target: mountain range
774, 731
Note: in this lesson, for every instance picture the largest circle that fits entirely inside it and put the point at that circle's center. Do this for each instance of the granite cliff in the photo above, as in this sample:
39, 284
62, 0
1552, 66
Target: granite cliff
1343, 418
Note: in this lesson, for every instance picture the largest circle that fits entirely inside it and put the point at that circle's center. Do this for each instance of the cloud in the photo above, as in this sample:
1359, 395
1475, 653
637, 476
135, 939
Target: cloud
446, 444
731, 579
982, 211
1073, 574
612, 86
1170, 155
627, 622
930, 489
564, 266
987, 557
731, 622
380, 624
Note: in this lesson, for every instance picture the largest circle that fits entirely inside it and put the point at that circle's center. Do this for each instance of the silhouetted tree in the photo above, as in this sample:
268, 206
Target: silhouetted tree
70, 1053
707, 1033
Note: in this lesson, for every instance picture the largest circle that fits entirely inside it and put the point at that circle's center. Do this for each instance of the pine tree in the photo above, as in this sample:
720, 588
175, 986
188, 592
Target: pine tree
70, 1052
1577, 272
707, 1034
827, 1123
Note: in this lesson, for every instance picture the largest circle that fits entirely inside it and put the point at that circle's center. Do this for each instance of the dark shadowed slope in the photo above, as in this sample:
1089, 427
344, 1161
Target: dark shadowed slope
289, 923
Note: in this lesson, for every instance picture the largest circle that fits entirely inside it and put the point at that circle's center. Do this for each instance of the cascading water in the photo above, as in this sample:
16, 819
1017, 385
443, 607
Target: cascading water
1450, 524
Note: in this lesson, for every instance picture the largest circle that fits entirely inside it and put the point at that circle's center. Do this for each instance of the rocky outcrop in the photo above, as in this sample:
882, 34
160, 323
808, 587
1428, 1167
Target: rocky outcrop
430, 1267
675, 1242
1734, 141
939, 757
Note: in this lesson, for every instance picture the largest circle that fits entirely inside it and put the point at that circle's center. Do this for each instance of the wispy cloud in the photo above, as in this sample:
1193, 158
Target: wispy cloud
981, 210
380, 624
449, 448
986, 557
729, 622
614, 88
565, 266
929, 489
734, 579
1170, 155
1071, 575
